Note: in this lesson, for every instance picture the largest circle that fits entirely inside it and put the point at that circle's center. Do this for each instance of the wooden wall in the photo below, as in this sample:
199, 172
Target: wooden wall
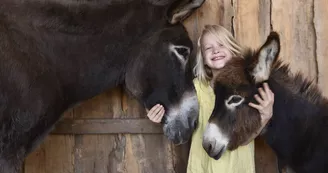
91, 138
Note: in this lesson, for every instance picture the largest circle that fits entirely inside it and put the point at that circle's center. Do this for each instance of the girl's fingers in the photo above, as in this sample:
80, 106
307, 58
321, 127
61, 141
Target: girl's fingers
258, 99
158, 113
153, 111
159, 116
268, 91
263, 94
258, 107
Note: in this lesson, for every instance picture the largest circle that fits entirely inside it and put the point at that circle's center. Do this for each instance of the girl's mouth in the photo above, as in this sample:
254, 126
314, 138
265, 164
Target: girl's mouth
217, 58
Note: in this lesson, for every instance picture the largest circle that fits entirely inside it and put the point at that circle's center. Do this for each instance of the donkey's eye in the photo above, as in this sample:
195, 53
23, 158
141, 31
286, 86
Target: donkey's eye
180, 51
183, 51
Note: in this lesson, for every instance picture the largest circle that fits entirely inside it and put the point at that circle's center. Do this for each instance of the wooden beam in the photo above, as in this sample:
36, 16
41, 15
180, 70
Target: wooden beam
107, 126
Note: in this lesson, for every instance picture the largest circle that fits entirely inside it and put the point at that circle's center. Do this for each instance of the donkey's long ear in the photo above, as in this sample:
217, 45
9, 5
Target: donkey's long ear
267, 55
181, 9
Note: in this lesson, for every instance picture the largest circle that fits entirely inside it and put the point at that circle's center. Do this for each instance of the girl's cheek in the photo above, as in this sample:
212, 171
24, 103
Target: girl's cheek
206, 61
207, 57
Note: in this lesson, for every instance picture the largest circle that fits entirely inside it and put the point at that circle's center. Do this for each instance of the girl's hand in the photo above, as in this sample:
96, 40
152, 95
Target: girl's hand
266, 103
265, 108
156, 113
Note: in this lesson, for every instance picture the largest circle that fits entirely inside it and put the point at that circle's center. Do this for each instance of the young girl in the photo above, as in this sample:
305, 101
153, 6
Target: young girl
216, 46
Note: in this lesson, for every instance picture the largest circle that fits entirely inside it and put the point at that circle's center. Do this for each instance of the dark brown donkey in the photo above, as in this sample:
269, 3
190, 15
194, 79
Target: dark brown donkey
56, 53
298, 130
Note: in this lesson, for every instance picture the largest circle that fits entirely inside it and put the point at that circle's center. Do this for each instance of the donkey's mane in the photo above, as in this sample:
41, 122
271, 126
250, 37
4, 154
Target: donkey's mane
294, 82
297, 83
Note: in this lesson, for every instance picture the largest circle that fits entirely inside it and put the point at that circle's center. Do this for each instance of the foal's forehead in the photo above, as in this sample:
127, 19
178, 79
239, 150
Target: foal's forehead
233, 73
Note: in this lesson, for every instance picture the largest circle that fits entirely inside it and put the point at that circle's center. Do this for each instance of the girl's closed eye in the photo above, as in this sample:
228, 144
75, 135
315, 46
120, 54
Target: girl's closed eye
208, 48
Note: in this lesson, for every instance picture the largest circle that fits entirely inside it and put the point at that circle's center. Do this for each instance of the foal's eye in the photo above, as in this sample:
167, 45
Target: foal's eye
233, 101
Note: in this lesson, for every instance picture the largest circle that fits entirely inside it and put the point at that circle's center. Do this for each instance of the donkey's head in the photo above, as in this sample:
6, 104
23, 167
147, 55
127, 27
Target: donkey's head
233, 121
159, 73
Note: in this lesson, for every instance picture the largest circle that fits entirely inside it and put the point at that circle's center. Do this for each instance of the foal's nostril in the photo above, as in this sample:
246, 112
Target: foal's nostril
210, 148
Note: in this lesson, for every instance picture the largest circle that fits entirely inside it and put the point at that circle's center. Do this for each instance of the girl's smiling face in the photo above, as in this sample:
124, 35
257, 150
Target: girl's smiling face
215, 54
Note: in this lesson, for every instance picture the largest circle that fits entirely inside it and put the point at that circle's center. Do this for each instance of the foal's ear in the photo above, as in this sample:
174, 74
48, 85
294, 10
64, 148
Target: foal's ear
266, 56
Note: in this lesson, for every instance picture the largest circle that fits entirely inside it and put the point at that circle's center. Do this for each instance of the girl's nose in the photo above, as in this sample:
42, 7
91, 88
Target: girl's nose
216, 50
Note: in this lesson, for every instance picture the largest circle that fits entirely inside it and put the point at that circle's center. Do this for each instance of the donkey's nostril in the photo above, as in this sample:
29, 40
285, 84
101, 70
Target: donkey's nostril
164, 120
195, 124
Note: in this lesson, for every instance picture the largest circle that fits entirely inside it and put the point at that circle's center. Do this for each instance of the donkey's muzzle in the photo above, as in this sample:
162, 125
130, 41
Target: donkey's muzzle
215, 141
213, 150
179, 132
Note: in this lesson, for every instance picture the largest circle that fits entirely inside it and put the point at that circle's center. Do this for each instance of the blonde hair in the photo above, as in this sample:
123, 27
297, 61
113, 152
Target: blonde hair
224, 37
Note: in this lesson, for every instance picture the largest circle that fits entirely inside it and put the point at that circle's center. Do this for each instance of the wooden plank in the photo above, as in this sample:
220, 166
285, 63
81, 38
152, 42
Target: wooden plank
294, 22
150, 153
107, 126
96, 153
105, 105
211, 12
132, 108
320, 21
99, 154
251, 22
131, 158
251, 26
180, 157
53, 156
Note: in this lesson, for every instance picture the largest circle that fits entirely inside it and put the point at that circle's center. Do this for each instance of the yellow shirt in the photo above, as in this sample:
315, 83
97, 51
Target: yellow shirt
240, 160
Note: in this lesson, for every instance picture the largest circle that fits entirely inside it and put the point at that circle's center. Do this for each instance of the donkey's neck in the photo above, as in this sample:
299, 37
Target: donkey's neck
86, 45
295, 110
